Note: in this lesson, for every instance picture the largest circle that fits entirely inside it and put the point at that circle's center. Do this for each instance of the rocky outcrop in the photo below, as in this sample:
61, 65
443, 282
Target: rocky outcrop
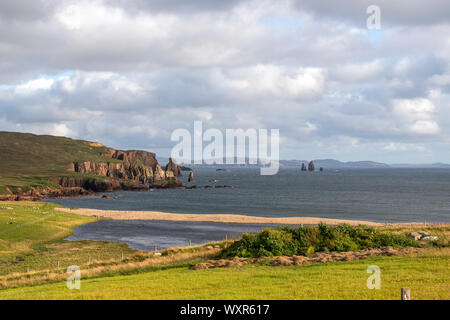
423, 236
131, 165
99, 185
304, 167
115, 170
135, 157
38, 193
127, 170
311, 166
191, 176
159, 173
174, 168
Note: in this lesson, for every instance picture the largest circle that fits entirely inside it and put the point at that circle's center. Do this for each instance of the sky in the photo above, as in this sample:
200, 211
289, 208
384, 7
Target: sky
128, 73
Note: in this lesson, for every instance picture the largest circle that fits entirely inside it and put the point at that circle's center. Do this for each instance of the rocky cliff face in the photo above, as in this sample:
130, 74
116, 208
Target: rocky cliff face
114, 170
133, 165
126, 170
174, 168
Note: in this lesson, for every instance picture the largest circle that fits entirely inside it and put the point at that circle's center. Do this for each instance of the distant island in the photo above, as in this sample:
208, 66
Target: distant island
320, 163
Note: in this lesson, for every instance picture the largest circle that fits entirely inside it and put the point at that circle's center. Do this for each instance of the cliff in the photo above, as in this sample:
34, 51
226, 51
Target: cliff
35, 166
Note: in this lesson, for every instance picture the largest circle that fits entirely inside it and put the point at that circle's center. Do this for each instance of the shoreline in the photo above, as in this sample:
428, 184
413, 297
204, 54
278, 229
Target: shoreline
220, 218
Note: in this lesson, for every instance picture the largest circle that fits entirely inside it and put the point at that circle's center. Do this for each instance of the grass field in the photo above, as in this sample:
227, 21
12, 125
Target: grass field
31, 233
112, 271
427, 277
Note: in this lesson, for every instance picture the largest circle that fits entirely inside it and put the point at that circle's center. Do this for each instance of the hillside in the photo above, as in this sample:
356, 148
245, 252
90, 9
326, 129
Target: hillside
34, 165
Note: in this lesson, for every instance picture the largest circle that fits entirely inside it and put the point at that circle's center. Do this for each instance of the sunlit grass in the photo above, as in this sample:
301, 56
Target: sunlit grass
33, 232
427, 277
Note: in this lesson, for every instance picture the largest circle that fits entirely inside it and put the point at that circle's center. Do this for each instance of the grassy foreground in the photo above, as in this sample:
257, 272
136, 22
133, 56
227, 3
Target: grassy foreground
30, 239
112, 271
427, 277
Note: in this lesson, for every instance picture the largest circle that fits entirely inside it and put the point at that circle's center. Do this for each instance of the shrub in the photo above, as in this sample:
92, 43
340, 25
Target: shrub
306, 240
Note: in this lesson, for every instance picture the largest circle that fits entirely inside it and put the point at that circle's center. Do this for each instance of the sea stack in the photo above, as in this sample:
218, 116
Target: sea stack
191, 176
311, 166
173, 166
304, 167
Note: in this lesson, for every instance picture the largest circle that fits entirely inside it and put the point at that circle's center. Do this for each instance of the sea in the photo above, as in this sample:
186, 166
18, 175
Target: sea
379, 195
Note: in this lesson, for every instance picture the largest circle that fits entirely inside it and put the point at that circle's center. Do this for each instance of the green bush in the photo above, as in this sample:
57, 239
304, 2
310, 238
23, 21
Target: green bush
306, 240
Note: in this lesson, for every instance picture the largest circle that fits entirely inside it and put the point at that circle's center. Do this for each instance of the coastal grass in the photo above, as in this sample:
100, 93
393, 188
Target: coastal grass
34, 258
32, 250
425, 273
31, 233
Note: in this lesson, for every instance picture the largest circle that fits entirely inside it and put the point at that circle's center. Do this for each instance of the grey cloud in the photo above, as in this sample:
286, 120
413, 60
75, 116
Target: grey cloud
173, 7
399, 12
131, 84
22, 10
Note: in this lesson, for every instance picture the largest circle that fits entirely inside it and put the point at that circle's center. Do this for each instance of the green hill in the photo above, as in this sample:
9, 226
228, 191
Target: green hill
29, 160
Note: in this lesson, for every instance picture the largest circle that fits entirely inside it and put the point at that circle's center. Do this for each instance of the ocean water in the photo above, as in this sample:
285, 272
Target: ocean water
151, 235
380, 195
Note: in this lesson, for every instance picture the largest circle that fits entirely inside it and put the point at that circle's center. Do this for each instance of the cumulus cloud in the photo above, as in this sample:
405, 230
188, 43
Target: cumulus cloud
127, 73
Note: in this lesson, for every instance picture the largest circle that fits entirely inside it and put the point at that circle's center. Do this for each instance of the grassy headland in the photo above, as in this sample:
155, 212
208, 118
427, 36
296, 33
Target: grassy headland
29, 160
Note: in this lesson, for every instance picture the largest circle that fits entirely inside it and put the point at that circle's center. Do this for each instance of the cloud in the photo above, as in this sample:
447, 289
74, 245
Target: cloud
127, 73
400, 12
413, 109
34, 85
425, 127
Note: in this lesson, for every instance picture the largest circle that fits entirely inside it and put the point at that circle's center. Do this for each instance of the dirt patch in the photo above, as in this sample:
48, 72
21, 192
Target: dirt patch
320, 257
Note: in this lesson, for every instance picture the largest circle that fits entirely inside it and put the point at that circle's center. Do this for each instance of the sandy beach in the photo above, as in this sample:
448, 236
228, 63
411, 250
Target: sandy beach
223, 218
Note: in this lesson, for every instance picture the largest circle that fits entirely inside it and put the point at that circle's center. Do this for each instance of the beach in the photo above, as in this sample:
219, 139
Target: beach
222, 218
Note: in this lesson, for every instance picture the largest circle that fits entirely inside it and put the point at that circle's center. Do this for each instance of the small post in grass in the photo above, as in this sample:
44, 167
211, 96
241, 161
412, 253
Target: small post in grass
190, 243
89, 261
406, 294
58, 265
122, 255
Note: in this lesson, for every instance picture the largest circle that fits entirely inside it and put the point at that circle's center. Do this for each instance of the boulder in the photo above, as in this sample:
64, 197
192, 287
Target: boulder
415, 235
422, 236
429, 238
